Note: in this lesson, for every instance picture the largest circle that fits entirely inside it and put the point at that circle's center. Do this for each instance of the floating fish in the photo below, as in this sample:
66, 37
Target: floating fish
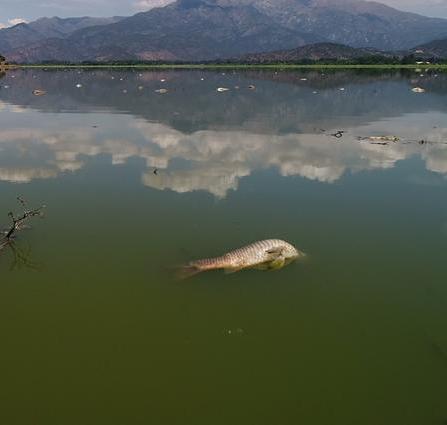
380, 138
270, 254
418, 90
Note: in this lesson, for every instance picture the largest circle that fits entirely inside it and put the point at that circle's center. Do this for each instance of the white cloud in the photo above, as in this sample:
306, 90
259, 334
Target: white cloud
436, 8
144, 5
32, 9
12, 22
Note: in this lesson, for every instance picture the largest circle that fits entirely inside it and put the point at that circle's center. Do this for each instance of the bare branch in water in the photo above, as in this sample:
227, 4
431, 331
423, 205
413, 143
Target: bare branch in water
18, 222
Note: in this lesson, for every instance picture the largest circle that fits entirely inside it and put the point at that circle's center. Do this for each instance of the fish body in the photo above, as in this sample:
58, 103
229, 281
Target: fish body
380, 138
269, 254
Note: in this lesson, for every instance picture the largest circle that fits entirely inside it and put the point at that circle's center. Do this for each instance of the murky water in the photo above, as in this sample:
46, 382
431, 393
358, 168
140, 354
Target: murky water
94, 327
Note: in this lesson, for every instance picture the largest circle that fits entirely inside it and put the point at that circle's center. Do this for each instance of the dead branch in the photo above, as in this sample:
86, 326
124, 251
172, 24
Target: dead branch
18, 222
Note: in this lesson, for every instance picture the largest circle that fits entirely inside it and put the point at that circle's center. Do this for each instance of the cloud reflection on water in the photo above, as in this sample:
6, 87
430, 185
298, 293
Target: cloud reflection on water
218, 139
213, 161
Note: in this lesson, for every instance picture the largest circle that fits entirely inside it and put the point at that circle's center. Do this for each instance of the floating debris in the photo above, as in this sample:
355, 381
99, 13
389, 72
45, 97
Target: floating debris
78, 86
251, 87
155, 171
140, 87
162, 80
380, 139
338, 134
237, 332
341, 89
418, 90
161, 91
222, 89
39, 92
303, 79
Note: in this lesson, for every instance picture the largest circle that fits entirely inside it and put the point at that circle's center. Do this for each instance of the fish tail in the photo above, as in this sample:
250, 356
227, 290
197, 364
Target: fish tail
188, 271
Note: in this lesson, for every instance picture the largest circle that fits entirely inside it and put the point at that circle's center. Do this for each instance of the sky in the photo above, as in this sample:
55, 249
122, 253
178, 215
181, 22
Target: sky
15, 11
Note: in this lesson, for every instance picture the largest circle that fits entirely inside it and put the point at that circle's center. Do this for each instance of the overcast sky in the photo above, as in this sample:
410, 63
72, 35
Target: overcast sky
12, 11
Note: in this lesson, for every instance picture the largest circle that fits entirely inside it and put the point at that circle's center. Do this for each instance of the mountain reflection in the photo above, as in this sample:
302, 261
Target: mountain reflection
218, 139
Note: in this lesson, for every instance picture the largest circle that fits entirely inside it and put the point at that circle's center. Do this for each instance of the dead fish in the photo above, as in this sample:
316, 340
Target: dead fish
379, 139
270, 254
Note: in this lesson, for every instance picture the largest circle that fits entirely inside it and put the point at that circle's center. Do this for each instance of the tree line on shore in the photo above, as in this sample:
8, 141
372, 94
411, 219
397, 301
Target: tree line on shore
409, 59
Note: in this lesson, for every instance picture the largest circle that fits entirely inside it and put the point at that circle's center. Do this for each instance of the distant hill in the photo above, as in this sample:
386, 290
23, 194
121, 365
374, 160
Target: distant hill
186, 30
196, 30
354, 22
312, 52
434, 49
45, 28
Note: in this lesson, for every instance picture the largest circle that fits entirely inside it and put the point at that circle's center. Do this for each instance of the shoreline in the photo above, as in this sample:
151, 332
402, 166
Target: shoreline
224, 66
4, 68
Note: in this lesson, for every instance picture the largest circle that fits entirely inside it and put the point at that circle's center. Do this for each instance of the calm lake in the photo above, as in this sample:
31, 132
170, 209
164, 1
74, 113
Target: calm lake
96, 329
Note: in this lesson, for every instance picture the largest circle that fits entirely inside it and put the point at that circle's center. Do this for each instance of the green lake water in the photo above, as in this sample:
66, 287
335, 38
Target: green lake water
96, 329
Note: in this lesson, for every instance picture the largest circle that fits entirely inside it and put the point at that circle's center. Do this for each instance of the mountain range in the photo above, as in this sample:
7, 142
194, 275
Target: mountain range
198, 30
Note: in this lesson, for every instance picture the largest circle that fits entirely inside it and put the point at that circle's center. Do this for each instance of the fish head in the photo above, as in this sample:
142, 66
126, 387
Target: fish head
290, 253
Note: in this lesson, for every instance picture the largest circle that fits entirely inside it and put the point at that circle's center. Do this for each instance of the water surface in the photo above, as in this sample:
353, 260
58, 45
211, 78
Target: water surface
95, 328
